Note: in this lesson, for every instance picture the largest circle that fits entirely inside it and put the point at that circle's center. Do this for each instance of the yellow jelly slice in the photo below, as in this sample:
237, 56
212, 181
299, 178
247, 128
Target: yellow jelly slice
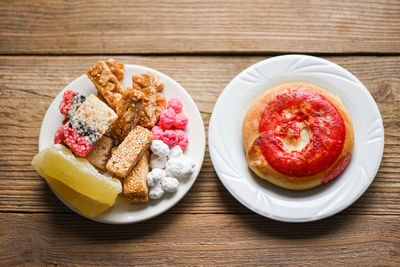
58, 163
85, 205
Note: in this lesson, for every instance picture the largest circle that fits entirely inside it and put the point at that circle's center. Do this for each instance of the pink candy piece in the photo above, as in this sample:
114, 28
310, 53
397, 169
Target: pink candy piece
175, 104
167, 119
158, 133
183, 140
170, 127
170, 138
181, 121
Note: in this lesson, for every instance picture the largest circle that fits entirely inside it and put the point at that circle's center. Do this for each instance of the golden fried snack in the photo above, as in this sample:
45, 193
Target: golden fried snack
140, 104
135, 185
116, 68
101, 98
156, 81
127, 111
149, 85
161, 104
125, 157
106, 83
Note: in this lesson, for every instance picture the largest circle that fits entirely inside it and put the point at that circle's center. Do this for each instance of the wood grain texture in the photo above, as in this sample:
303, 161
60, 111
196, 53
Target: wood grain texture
90, 27
28, 84
215, 240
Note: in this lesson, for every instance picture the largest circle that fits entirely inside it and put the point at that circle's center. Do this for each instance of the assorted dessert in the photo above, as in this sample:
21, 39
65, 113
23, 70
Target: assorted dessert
127, 141
297, 136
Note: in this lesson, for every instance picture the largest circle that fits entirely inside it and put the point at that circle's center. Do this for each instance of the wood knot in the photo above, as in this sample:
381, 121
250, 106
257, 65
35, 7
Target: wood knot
383, 92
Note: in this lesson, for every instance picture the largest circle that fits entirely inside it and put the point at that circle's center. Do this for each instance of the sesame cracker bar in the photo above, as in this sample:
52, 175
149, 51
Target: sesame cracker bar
135, 184
124, 158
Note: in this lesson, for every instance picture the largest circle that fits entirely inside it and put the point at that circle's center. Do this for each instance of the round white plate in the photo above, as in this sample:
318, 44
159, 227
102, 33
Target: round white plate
264, 198
124, 212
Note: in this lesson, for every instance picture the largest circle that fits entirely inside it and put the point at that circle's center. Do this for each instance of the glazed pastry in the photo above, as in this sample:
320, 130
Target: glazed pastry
297, 136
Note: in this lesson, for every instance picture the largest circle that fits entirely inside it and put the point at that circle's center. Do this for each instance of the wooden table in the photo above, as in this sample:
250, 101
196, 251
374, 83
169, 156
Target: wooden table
44, 45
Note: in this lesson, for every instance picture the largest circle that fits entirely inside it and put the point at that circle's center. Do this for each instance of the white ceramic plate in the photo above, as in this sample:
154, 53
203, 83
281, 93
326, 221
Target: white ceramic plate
264, 198
124, 212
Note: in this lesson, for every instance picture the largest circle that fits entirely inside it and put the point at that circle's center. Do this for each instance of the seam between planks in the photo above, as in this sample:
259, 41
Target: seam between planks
211, 54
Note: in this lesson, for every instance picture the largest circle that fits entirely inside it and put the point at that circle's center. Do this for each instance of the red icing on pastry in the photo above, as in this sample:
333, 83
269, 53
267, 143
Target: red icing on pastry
339, 167
285, 117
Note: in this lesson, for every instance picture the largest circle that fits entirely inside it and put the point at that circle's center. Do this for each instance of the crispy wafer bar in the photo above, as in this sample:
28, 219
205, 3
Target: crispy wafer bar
135, 184
106, 83
101, 152
124, 158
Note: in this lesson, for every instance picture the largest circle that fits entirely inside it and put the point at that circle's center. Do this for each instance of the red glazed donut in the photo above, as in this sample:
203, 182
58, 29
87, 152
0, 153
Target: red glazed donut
297, 136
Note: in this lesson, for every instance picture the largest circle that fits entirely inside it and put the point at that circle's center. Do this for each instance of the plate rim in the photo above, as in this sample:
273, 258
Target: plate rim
251, 207
189, 182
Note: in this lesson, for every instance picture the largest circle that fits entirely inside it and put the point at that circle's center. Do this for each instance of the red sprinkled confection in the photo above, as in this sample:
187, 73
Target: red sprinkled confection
59, 136
66, 103
76, 142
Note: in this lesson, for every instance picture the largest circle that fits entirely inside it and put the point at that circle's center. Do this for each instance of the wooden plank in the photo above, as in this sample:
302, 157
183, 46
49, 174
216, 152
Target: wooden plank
28, 84
90, 27
215, 239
